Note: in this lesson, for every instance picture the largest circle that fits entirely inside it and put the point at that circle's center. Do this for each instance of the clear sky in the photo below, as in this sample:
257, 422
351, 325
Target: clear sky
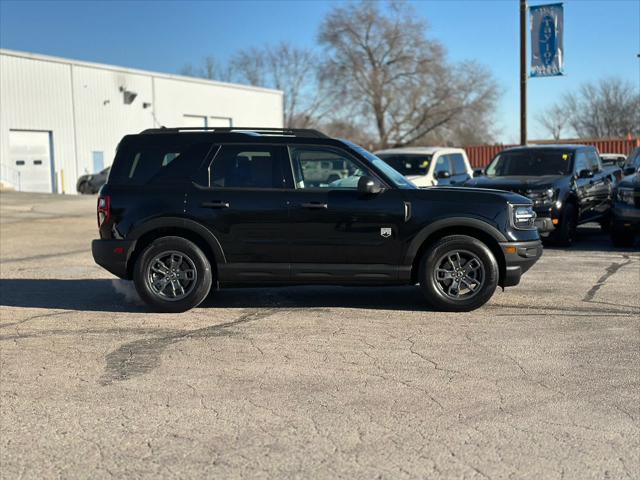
602, 37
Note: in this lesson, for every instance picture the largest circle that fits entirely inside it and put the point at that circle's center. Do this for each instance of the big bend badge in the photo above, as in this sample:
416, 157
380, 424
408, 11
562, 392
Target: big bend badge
385, 232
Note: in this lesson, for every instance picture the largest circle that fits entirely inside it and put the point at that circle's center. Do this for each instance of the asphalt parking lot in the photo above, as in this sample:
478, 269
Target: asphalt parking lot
543, 382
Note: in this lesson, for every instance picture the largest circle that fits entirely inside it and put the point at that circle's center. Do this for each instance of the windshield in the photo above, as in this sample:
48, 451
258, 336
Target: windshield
407, 164
531, 163
396, 177
634, 159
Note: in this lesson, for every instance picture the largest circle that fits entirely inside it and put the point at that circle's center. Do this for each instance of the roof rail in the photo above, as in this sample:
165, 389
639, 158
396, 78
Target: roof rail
292, 132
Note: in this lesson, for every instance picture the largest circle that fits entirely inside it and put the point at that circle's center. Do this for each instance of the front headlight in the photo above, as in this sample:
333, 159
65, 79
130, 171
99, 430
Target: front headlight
625, 195
541, 197
523, 217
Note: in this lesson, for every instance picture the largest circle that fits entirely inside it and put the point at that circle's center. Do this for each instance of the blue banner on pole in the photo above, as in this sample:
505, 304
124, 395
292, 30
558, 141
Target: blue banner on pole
547, 48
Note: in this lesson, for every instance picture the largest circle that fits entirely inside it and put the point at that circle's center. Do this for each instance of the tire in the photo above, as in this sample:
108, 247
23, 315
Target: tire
565, 235
82, 188
438, 286
172, 275
622, 239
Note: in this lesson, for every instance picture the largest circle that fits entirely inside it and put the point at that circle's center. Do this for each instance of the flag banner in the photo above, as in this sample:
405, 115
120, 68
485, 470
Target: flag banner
547, 49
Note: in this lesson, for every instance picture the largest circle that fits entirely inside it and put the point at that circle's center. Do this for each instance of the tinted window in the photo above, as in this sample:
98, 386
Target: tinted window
140, 160
594, 160
319, 167
634, 159
457, 164
247, 166
530, 163
582, 162
407, 164
442, 165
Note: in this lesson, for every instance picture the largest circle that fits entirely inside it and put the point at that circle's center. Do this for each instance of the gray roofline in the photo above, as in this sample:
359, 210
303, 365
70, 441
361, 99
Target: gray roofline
115, 68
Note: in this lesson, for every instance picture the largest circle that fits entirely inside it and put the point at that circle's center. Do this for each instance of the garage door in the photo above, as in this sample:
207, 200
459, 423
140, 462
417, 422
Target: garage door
30, 158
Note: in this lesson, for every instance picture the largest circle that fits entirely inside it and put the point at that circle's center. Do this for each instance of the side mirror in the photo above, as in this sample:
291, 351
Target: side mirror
369, 185
443, 174
629, 170
478, 172
585, 173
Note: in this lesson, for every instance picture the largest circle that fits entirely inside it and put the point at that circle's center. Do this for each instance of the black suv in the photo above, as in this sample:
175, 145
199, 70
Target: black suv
187, 209
567, 184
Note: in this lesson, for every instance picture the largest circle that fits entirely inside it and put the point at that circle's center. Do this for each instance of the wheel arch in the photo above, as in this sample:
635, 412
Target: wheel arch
178, 227
478, 229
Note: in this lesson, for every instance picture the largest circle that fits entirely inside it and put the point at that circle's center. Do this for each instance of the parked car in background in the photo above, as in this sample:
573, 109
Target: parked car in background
186, 211
427, 166
91, 183
567, 184
632, 163
625, 223
613, 159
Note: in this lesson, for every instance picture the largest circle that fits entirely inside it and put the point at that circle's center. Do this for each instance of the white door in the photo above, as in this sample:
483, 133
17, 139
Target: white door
30, 157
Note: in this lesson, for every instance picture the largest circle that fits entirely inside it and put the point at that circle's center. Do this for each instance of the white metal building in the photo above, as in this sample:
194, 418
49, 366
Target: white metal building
61, 118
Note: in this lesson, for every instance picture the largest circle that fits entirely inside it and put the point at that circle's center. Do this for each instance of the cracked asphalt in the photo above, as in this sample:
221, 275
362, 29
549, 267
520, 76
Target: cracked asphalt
311, 382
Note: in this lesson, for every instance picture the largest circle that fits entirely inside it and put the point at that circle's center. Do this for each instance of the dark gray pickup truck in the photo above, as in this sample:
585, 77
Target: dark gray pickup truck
567, 184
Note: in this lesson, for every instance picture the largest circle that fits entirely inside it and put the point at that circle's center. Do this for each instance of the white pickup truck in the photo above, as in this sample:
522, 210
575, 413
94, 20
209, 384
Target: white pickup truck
427, 166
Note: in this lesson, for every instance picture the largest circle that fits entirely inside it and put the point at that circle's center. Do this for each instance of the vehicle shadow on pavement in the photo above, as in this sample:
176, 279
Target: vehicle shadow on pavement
591, 238
114, 295
85, 295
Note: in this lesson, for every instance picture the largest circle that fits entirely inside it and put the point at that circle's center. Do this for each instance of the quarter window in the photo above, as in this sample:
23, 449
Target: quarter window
247, 166
325, 168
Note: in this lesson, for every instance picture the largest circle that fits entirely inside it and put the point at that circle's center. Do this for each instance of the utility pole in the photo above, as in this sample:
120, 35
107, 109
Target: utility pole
523, 72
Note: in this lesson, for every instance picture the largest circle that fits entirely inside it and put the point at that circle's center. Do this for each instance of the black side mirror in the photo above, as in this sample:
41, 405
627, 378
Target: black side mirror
369, 185
478, 172
585, 173
443, 174
629, 170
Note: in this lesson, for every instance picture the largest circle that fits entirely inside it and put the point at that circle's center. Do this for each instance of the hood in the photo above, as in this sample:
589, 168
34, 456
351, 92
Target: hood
516, 183
630, 181
468, 195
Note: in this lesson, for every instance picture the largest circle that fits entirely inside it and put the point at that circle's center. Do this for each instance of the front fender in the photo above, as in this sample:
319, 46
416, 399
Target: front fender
441, 224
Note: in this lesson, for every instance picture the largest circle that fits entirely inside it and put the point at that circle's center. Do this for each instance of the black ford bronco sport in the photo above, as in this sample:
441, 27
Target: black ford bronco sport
187, 209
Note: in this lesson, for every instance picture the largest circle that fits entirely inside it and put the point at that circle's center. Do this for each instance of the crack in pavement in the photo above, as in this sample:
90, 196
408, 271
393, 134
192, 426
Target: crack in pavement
611, 270
141, 356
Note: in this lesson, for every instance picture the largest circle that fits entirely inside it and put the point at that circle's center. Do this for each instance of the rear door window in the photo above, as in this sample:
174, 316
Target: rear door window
248, 166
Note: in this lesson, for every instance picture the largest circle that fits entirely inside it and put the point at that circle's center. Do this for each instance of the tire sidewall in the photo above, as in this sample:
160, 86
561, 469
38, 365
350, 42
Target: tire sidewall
458, 242
204, 278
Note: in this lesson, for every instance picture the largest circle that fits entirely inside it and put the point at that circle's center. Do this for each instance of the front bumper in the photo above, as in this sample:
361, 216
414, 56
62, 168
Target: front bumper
519, 257
544, 225
113, 255
626, 218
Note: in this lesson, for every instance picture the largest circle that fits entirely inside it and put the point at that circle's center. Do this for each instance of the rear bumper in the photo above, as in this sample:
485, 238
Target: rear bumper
113, 255
518, 262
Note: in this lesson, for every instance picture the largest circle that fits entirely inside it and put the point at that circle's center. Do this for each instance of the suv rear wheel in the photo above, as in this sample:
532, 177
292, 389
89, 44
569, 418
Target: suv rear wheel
172, 275
458, 274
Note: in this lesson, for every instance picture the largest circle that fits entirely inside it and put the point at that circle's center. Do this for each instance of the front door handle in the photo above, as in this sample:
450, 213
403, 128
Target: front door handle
315, 205
215, 204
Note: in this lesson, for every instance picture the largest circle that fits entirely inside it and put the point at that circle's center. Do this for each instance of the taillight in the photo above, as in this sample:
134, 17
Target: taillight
104, 209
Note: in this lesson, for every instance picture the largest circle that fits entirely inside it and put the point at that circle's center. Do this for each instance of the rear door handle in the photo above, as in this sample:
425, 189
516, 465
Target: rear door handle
215, 204
315, 205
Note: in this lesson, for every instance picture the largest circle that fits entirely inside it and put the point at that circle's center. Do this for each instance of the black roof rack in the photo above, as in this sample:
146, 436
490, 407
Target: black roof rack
291, 132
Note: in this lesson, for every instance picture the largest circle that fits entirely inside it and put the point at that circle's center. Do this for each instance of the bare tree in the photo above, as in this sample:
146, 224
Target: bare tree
292, 70
609, 108
396, 81
210, 69
554, 120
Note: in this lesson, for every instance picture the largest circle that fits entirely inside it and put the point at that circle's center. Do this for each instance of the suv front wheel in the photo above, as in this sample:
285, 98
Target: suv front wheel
172, 275
458, 274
